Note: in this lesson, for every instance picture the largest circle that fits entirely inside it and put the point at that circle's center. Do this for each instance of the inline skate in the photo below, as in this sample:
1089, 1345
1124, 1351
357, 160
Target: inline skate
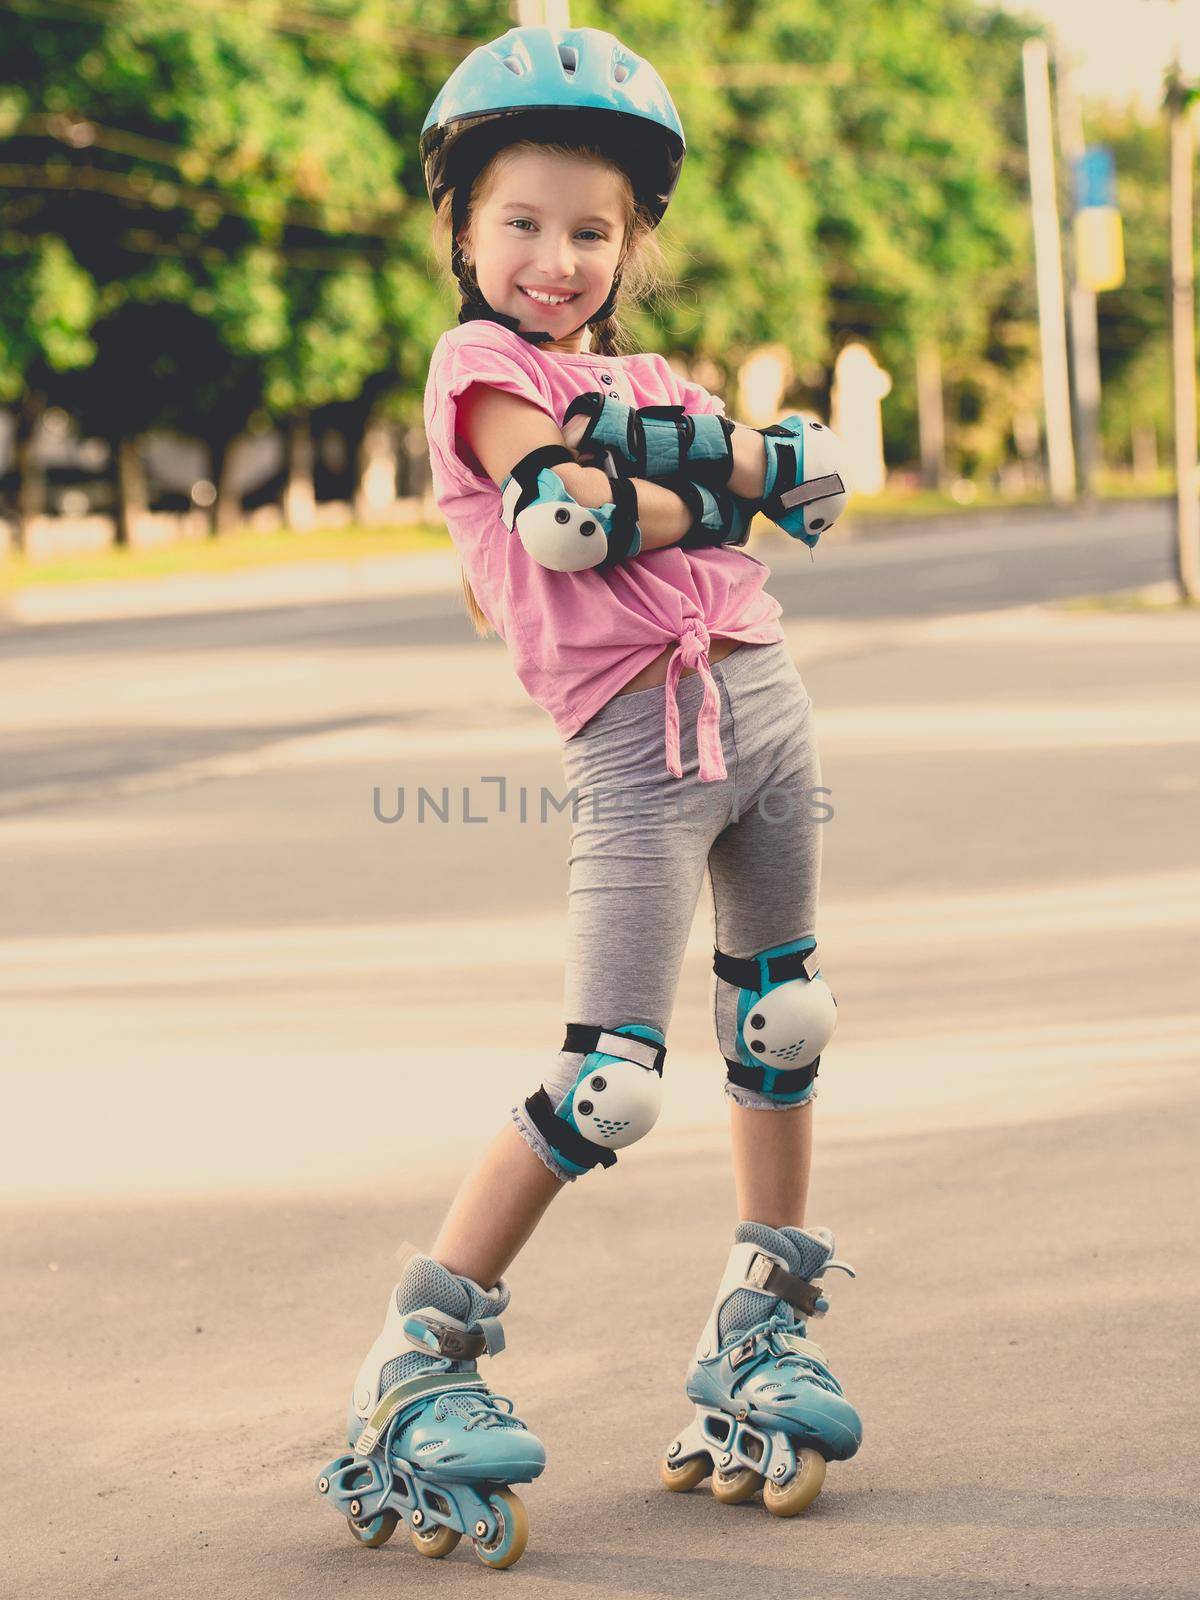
769, 1413
432, 1446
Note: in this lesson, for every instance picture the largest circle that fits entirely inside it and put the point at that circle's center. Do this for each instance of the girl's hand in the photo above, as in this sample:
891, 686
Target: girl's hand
585, 457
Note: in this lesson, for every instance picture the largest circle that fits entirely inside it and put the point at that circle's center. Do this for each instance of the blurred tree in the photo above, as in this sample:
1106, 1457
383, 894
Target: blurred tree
46, 310
210, 160
851, 173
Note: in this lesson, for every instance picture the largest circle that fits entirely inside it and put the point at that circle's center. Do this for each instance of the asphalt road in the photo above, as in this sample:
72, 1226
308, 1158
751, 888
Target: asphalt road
957, 565
971, 565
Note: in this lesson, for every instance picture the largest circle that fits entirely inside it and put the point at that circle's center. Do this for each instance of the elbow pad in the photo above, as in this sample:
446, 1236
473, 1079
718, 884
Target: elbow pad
805, 487
555, 529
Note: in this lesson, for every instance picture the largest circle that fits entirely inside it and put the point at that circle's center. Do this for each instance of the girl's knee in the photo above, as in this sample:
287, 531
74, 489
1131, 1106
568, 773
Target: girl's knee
605, 1094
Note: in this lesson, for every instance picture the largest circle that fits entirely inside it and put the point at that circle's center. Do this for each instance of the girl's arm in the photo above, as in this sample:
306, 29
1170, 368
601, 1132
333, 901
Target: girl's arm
749, 462
793, 471
502, 429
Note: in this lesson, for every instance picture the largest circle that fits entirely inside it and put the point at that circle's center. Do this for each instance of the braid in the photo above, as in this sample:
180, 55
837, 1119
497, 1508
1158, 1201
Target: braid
607, 336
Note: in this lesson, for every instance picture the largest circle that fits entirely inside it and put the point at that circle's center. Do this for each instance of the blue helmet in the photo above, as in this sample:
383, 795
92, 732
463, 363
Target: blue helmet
577, 85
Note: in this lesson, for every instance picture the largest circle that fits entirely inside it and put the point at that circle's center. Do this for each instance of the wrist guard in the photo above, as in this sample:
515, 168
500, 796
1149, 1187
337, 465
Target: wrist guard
652, 442
718, 516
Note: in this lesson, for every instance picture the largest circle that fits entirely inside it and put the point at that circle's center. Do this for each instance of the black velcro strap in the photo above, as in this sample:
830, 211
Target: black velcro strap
789, 1080
546, 455
582, 1038
587, 405
729, 516
785, 470
745, 972
625, 531
685, 430
562, 1138
768, 1277
675, 414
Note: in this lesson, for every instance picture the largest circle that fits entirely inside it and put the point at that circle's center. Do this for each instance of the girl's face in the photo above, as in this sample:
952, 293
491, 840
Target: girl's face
553, 225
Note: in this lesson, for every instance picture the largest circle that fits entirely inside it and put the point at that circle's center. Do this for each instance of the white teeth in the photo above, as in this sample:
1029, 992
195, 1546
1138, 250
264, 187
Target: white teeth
547, 299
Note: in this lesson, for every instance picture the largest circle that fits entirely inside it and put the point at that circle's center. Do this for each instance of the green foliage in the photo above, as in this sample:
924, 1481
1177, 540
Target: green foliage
205, 159
48, 308
861, 184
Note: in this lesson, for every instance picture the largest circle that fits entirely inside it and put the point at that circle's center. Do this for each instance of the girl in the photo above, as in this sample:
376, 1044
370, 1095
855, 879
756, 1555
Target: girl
599, 505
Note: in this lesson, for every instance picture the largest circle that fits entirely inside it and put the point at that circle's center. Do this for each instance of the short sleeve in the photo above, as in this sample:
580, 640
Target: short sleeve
693, 397
489, 356
696, 399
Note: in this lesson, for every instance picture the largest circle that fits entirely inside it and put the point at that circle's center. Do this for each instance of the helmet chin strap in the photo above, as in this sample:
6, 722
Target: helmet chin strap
475, 308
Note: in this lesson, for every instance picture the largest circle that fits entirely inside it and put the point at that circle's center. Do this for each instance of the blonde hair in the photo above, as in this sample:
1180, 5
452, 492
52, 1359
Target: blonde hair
644, 271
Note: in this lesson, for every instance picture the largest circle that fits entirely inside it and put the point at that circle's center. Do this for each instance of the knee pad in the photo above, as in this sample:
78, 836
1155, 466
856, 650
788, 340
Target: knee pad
654, 442
785, 1016
615, 1099
804, 491
555, 529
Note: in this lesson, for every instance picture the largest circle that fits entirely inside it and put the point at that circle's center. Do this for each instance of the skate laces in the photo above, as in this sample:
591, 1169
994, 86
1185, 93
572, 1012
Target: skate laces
477, 1410
780, 1323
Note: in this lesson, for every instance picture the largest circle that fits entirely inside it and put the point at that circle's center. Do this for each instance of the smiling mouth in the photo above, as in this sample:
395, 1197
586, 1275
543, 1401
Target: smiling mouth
546, 305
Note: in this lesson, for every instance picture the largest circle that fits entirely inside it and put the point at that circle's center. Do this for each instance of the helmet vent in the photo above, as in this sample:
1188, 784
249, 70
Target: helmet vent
569, 57
519, 62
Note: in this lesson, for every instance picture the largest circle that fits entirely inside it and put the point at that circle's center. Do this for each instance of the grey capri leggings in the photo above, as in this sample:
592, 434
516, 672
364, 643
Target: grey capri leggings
641, 839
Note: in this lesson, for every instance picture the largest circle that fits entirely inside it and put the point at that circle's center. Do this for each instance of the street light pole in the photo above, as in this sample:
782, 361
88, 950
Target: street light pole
1179, 100
1047, 248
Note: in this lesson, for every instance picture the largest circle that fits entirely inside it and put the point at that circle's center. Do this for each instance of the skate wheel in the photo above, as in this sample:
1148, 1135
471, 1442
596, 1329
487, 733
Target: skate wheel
679, 1479
376, 1532
512, 1535
733, 1488
435, 1541
785, 1500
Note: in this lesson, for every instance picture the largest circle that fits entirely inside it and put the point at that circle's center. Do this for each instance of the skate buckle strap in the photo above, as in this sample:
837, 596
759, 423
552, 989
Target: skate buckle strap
757, 1344
443, 1335
766, 1275
420, 1385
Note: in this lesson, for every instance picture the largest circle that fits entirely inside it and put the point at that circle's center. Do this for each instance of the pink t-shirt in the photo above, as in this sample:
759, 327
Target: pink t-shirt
576, 638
